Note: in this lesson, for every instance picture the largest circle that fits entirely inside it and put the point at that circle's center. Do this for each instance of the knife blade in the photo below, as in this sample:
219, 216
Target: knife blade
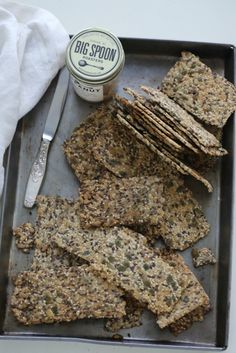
38, 168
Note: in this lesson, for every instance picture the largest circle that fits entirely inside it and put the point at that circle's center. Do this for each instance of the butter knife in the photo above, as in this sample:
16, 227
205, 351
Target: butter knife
39, 166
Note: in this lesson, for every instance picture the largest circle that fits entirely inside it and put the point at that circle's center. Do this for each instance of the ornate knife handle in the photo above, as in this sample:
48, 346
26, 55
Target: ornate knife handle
36, 174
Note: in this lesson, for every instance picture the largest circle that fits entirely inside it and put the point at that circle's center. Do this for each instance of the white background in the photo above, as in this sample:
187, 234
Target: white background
195, 20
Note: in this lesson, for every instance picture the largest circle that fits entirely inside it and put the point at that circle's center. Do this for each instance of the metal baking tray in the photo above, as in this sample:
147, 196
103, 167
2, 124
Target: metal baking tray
147, 62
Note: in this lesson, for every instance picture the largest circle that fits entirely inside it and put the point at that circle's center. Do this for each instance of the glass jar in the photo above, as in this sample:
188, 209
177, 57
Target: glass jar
95, 58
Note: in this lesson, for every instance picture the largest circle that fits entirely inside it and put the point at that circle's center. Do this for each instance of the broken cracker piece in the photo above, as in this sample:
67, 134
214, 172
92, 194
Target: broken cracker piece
184, 222
203, 256
25, 236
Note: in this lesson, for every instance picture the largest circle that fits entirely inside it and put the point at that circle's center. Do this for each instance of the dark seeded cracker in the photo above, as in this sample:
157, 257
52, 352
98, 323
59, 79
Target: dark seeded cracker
120, 256
50, 212
206, 95
193, 297
184, 222
142, 117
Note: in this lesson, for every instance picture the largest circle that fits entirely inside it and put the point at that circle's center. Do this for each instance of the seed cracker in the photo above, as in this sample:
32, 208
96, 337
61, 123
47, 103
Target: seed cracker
203, 256
25, 237
193, 297
184, 222
184, 120
124, 201
188, 65
49, 296
205, 94
78, 149
50, 212
120, 256
167, 157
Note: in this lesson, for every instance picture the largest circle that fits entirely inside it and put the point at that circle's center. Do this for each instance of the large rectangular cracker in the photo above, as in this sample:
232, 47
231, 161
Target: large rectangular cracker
123, 201
78, 148
206, 95
121, 256
193, 297
48, 296
174, 162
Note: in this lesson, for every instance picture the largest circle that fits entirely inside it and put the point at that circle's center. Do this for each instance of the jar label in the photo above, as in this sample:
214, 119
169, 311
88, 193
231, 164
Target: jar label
95, 53
89, 93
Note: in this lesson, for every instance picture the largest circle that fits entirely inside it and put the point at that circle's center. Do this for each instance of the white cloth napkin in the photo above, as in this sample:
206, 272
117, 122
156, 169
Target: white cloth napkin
32, 50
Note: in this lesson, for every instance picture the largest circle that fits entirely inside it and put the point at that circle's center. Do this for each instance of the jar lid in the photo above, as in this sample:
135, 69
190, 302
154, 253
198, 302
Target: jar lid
95, 55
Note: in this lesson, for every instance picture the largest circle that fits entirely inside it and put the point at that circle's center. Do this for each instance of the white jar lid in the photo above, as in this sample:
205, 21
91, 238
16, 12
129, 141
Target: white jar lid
95, 55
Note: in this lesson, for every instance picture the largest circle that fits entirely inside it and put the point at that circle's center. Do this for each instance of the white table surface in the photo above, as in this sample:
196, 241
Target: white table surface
195, 20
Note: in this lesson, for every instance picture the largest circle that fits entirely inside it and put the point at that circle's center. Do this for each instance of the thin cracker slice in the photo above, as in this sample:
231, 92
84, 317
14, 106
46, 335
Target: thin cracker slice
159, 121
121, 256
185, 120
143, 118
174, 162
49, 296
124, 201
